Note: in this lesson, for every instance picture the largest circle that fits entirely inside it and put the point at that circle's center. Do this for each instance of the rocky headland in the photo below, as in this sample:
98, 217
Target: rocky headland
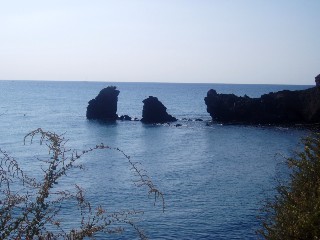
283, 107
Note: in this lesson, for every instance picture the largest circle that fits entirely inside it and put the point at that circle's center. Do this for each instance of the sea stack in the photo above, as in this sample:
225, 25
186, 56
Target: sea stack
155, 112
104, 106
283, 107
317, 80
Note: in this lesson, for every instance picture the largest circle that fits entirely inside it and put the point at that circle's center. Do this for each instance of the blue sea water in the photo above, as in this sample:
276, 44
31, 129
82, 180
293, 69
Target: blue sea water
214, 178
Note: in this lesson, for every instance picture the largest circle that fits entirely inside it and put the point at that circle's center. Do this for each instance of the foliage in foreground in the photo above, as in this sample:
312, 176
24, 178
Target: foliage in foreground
30, 209
295, 211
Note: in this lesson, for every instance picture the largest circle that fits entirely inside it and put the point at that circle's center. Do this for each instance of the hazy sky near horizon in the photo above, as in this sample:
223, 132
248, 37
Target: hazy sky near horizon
217, 41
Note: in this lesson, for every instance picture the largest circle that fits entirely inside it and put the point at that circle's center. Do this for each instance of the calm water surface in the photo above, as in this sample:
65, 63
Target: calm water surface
213, 177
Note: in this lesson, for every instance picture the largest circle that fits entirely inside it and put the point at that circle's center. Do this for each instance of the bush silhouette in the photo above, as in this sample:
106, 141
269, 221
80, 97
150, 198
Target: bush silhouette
30, 208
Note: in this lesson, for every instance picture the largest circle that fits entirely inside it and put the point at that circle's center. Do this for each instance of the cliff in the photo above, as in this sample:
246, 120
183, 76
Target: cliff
283, 107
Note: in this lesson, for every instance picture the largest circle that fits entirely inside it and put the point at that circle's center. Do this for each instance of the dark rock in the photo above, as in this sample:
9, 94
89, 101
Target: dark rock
104, 106
136, 119
125, 118
317, 79
283, 107
155, 112
178, 125
198, 120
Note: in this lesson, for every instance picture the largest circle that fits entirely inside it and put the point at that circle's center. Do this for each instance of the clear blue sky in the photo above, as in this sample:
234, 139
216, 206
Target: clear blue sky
217, 41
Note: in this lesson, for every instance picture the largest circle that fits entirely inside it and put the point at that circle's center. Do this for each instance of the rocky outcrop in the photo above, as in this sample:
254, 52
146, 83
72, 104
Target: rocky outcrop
125, 118
155, 112
317, 80
283, 107
104, 106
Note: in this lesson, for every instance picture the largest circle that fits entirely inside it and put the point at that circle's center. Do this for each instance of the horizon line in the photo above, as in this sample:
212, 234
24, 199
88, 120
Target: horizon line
158, 82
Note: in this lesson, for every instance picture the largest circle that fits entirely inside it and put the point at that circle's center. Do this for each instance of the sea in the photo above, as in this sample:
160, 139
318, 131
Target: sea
215, 178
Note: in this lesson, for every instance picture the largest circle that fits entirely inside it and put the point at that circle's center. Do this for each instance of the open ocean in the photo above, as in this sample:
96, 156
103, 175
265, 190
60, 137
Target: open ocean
214, 177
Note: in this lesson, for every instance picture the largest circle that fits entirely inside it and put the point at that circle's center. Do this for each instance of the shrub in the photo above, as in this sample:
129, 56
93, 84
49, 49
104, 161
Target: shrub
295, 211
29, 208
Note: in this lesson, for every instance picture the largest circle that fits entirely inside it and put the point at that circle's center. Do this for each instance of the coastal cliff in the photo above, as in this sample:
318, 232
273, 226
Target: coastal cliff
283, 107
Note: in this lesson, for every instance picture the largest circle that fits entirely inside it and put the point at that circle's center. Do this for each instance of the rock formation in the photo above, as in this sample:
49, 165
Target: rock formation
283, 107
125, 118
317, 80
155, 112
104, 106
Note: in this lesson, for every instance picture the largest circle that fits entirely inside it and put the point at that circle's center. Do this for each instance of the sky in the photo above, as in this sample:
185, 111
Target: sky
208, 41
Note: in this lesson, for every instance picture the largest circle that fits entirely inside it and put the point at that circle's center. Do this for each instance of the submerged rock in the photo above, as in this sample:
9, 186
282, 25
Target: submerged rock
125, 118
283, 107
155, 112
104, 106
